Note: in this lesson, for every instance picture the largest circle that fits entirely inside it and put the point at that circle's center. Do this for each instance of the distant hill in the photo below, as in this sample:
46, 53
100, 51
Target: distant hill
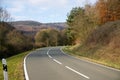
32, 27
32, 23
35, 26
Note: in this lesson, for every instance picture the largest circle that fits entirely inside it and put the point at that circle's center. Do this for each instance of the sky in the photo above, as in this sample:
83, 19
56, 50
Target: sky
44, 11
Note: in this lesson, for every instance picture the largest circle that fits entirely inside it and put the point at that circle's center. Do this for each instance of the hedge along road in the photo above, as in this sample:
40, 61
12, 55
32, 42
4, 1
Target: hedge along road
52, 63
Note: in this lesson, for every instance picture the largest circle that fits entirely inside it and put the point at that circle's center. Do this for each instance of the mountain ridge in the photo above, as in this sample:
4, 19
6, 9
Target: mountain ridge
29, 27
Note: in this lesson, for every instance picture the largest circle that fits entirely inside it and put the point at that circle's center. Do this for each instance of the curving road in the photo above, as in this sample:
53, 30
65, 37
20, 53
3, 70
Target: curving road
53, 64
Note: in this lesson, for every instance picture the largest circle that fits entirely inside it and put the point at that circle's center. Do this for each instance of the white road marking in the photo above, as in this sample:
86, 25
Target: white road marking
48, 54
53, 59
90, 61
57, 61
77, 72
25, 68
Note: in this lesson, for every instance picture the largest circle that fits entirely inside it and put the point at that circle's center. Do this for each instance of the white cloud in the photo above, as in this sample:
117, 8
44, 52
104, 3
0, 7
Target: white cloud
45, 10
80, 2
16, 5
83, 2
48, 3
36, 2
19, 17
15, 9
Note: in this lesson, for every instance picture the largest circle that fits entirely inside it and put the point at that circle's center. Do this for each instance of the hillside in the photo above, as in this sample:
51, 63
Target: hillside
12, 41
31, 23
32, 27
103, 45
36, 26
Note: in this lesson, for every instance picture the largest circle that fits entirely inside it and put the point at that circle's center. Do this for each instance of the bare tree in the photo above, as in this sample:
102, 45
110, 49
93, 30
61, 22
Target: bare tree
4, 15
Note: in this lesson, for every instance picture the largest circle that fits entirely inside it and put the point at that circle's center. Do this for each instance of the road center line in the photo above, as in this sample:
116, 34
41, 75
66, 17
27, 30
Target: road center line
77, 72
57, 61
48, 54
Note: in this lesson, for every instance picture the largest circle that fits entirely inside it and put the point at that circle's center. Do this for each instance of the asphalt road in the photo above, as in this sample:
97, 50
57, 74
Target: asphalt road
53, 64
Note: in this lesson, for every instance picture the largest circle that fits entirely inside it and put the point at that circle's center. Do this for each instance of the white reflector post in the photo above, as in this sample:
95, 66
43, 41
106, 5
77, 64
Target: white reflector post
5, 72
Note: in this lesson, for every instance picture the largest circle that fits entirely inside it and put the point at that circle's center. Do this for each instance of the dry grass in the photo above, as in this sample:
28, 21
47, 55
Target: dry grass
102, 45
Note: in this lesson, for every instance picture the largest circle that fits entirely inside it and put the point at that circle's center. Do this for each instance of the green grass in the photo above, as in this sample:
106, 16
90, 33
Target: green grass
15, 67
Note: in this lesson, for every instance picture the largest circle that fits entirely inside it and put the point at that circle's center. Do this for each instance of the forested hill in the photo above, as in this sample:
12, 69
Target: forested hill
12, 41
30, 28
36, 26
30, 23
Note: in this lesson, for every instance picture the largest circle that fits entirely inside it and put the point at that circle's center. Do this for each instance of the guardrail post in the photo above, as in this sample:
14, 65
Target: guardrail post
5, 73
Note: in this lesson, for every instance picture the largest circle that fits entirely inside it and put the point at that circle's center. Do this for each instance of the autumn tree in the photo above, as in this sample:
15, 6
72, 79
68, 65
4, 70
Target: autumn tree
42, 38
4, 29
18, 41
54, 37
90, 12
73, 13
113, 7
63, 38
11, 40
72, 22
108, 10
51, 37
80, 24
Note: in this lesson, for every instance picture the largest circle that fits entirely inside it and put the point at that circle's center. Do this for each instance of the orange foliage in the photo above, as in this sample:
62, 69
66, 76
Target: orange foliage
108, 10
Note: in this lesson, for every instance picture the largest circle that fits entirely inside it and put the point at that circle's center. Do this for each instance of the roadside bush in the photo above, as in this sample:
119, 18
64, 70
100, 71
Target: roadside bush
12, 41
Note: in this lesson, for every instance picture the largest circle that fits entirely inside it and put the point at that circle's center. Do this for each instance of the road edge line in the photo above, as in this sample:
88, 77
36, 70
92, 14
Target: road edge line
25, 69
90, 61
24, 64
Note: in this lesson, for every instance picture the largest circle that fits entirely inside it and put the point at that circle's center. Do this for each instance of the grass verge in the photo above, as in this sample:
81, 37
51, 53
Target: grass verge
15, 67
93, 58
